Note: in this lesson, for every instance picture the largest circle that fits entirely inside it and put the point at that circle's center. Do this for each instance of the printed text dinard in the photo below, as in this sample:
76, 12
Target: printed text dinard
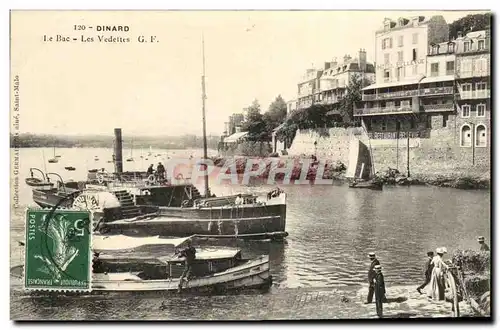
98, 33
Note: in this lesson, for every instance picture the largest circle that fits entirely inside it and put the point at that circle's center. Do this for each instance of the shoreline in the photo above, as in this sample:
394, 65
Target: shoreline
335, 171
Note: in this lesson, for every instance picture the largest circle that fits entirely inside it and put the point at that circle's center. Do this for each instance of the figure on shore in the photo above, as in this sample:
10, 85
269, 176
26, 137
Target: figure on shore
160, 171
150, 170
484, 246
379, 284
189, 254
437, 285
427, 271
371, 275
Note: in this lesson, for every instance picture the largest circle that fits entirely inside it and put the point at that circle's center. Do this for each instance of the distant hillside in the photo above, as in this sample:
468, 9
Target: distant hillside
28, 140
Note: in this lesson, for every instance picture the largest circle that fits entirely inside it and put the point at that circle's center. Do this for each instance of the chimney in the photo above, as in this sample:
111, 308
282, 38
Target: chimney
327, 65
334, 63
238, 129
362, 60
118, 151
459, 34
346, 58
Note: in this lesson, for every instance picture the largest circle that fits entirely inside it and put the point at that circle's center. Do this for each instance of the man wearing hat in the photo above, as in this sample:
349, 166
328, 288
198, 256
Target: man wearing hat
371, 276
484, 246
379, 284
428, 271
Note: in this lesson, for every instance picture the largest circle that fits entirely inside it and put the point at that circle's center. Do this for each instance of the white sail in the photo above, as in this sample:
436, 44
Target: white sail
353, 158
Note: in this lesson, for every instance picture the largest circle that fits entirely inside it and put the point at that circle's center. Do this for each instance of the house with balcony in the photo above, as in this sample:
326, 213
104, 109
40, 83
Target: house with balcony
309, 88
337, 75
409, 87
473, 83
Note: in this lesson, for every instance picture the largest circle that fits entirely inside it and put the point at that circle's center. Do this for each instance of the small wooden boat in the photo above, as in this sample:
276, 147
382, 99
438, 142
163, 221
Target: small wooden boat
124, 264
54, 159
360, 171
41, 184
70, 168
96, 158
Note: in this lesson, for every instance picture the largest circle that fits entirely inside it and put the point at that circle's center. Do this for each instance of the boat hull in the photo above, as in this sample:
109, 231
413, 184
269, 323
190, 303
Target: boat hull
366, 185
252, 228
251, 275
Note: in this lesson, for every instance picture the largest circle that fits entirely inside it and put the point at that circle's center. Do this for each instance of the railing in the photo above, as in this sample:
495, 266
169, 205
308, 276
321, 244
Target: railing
402, 134
438, 107
436, 91
382, 110
477, 94
473, 73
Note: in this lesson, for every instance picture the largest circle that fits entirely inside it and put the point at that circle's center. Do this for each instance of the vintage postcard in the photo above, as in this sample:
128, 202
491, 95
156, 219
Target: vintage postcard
250, 165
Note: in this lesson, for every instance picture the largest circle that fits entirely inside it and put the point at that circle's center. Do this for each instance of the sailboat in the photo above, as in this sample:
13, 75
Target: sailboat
360, 171
54, 159
150, 153
131, 158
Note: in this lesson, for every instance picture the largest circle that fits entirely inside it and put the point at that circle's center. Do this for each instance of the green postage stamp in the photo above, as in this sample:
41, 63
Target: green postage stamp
57, 252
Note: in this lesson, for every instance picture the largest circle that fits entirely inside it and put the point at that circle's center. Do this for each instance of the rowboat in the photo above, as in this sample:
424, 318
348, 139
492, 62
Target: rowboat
151, 264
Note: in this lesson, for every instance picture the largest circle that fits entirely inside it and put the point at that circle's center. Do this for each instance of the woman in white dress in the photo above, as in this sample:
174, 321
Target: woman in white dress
437, 285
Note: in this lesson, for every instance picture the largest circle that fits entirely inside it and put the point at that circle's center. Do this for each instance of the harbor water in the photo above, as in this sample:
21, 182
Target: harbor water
331, 230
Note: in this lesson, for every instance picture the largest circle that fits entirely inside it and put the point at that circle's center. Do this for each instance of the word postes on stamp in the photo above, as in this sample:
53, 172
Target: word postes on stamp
57, 255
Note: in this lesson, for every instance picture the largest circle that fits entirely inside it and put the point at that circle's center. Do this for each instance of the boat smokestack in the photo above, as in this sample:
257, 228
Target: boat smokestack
118, 151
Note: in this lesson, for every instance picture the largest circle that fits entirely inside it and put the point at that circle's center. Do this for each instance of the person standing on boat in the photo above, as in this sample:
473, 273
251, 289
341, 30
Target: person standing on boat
371, 275
428, 271
189, 255
238, 200
150, 170
160, 171
437, 286
484, 246
379, 284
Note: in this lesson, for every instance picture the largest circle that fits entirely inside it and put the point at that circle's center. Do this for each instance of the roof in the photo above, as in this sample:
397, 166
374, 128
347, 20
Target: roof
395, 83
122, 242
235, 137
428, 80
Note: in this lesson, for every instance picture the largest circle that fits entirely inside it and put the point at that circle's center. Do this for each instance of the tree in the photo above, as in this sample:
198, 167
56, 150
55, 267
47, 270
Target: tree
276, 114
254, 123
351, 97
470, 23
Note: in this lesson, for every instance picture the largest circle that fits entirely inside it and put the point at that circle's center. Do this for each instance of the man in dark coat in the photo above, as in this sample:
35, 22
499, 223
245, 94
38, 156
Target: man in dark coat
150, 170
371, 276
160, 171
484, 246
189, 255
379, 284
428, 271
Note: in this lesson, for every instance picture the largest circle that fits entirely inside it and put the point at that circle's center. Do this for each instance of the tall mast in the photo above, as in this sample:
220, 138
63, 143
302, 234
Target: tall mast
204, 97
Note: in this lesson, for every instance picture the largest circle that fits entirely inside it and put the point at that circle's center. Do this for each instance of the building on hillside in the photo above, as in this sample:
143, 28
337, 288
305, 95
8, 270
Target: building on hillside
235, 120
337, 75
308, 88
406, 88
291, 106
473, 83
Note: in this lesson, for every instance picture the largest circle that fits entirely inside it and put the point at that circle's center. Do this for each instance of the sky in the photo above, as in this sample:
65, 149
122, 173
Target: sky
154, 88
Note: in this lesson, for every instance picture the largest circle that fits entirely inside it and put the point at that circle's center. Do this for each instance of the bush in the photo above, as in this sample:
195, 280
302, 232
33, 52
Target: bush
475, 266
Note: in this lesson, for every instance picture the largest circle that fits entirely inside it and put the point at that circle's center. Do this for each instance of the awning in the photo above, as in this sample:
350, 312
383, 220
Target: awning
395, 83
437, 79
235, 137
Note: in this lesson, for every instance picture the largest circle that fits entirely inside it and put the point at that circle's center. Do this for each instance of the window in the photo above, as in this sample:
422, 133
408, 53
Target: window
412, 122
387, 43
465, 111
450, 68
400, 56
480, 136
465, 136
481, 66
383, 125
397, 104
387, 59
451, 47
480, 45
387, 75
434, 69
466, 87
481, 110
415, 38
382, 104
400, 73
414, 55
466, 46
445, 120
466, 67
400, 41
